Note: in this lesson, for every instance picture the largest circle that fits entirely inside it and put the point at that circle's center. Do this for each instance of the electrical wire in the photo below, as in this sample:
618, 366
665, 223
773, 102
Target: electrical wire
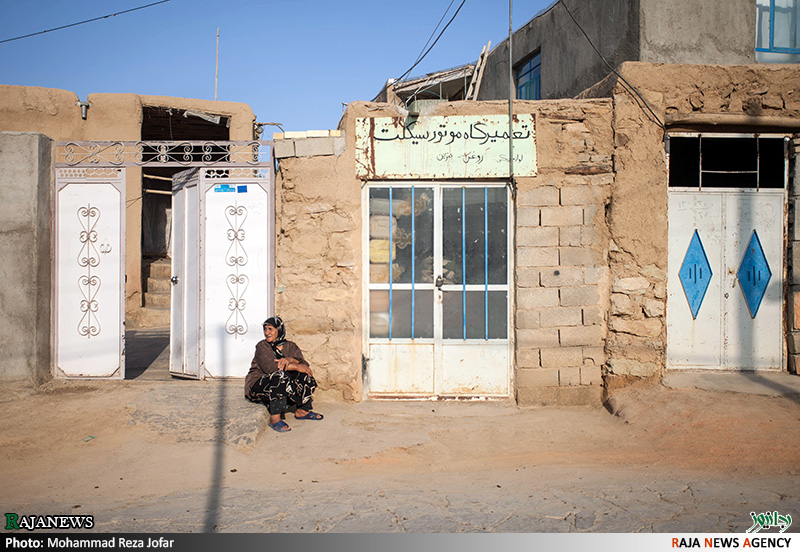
426, 52
82, 22
641, 102
419, 60
435, 29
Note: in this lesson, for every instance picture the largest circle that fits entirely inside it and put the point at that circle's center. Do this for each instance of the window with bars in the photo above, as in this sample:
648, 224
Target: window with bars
425, 241
744, 161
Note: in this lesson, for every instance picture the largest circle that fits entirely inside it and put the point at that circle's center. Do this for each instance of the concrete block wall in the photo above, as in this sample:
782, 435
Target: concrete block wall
561, 300
561, 270
26, 179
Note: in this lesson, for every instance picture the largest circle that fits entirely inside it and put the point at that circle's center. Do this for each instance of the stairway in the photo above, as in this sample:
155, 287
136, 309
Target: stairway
155, 313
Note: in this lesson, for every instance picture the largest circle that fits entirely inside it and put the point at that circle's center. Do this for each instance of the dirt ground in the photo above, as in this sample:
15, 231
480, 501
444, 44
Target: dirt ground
488, 466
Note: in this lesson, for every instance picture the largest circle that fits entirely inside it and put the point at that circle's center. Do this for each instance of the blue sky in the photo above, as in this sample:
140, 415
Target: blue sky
294, 62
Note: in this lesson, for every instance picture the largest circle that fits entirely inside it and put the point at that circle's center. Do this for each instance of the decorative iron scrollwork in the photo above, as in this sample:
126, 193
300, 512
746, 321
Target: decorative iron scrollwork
188, 153
237, 282
88, 283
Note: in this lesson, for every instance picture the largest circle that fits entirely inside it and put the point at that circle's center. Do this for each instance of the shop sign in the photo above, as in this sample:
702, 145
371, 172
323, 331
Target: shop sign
444, 147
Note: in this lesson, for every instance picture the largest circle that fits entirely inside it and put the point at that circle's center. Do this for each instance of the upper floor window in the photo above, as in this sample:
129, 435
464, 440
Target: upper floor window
778, 26
527, 79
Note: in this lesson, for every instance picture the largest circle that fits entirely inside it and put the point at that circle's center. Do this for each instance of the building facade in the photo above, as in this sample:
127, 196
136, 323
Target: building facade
62, 116
403, 276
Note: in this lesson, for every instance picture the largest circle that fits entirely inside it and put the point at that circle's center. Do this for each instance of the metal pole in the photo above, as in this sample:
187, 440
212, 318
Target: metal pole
216, 70
511, 94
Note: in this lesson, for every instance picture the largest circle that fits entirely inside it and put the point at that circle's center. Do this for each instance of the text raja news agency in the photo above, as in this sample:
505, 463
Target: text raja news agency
732, 542
17, 542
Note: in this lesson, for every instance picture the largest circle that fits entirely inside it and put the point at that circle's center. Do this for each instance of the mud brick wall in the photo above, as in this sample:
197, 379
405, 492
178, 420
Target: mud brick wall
562, 246
756, 98
793, 299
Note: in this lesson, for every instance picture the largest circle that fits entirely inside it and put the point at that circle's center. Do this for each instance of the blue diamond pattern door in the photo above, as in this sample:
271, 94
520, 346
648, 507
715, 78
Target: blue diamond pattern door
694, 280
725, 280
754, 274
752, 303
695, 274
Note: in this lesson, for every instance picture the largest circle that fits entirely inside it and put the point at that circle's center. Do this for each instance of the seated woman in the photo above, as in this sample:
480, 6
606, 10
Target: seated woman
279, 377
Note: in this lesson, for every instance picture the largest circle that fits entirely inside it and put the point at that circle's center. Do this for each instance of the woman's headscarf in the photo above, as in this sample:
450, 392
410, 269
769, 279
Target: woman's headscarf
277, 323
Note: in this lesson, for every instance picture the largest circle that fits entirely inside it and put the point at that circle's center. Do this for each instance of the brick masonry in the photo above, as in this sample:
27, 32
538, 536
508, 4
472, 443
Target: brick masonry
562, 242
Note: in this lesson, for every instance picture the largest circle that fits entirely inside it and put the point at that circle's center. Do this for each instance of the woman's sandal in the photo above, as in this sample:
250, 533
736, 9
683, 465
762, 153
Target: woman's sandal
280, 426
310, 416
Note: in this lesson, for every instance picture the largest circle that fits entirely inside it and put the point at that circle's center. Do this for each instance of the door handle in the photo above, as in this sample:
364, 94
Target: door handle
439, 282
174, 280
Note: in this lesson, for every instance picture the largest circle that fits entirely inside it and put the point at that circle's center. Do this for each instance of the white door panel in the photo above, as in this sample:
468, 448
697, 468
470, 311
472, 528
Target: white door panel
694, 342
235, 276
401, 368
90, 254
753, 342
225, 274
725, 334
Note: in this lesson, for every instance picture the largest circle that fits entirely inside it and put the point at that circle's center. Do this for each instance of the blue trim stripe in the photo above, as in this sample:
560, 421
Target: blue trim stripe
391, 247
486, 262
771, 24
413, 255
464, 261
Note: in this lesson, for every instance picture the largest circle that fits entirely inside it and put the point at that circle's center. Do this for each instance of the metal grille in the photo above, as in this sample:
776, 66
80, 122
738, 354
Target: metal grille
188, 153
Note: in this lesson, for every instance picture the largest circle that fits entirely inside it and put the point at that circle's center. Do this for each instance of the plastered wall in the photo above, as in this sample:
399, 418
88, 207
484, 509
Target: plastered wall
25, 247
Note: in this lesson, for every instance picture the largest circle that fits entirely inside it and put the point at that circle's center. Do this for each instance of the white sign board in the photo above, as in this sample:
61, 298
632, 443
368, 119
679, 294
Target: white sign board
473, 146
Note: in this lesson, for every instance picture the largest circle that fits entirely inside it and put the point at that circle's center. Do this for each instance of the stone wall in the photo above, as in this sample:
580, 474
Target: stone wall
318, 253
684, 97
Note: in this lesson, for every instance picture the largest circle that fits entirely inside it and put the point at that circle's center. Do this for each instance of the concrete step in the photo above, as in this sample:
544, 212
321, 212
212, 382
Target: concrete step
161, 268
159, 285
148, 317
157, 300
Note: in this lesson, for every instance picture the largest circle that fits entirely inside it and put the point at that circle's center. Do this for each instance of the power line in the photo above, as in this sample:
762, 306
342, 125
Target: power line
425, 53
435, 29
641, 101
419, 60
82, 22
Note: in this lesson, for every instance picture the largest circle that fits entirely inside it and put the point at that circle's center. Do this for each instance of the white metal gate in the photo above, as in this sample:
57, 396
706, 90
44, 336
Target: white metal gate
727, 212
89, 260
89, 292
223, 248
437, 263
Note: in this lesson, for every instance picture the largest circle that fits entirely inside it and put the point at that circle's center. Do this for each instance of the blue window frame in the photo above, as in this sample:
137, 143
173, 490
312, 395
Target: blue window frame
527, 78
778, 26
